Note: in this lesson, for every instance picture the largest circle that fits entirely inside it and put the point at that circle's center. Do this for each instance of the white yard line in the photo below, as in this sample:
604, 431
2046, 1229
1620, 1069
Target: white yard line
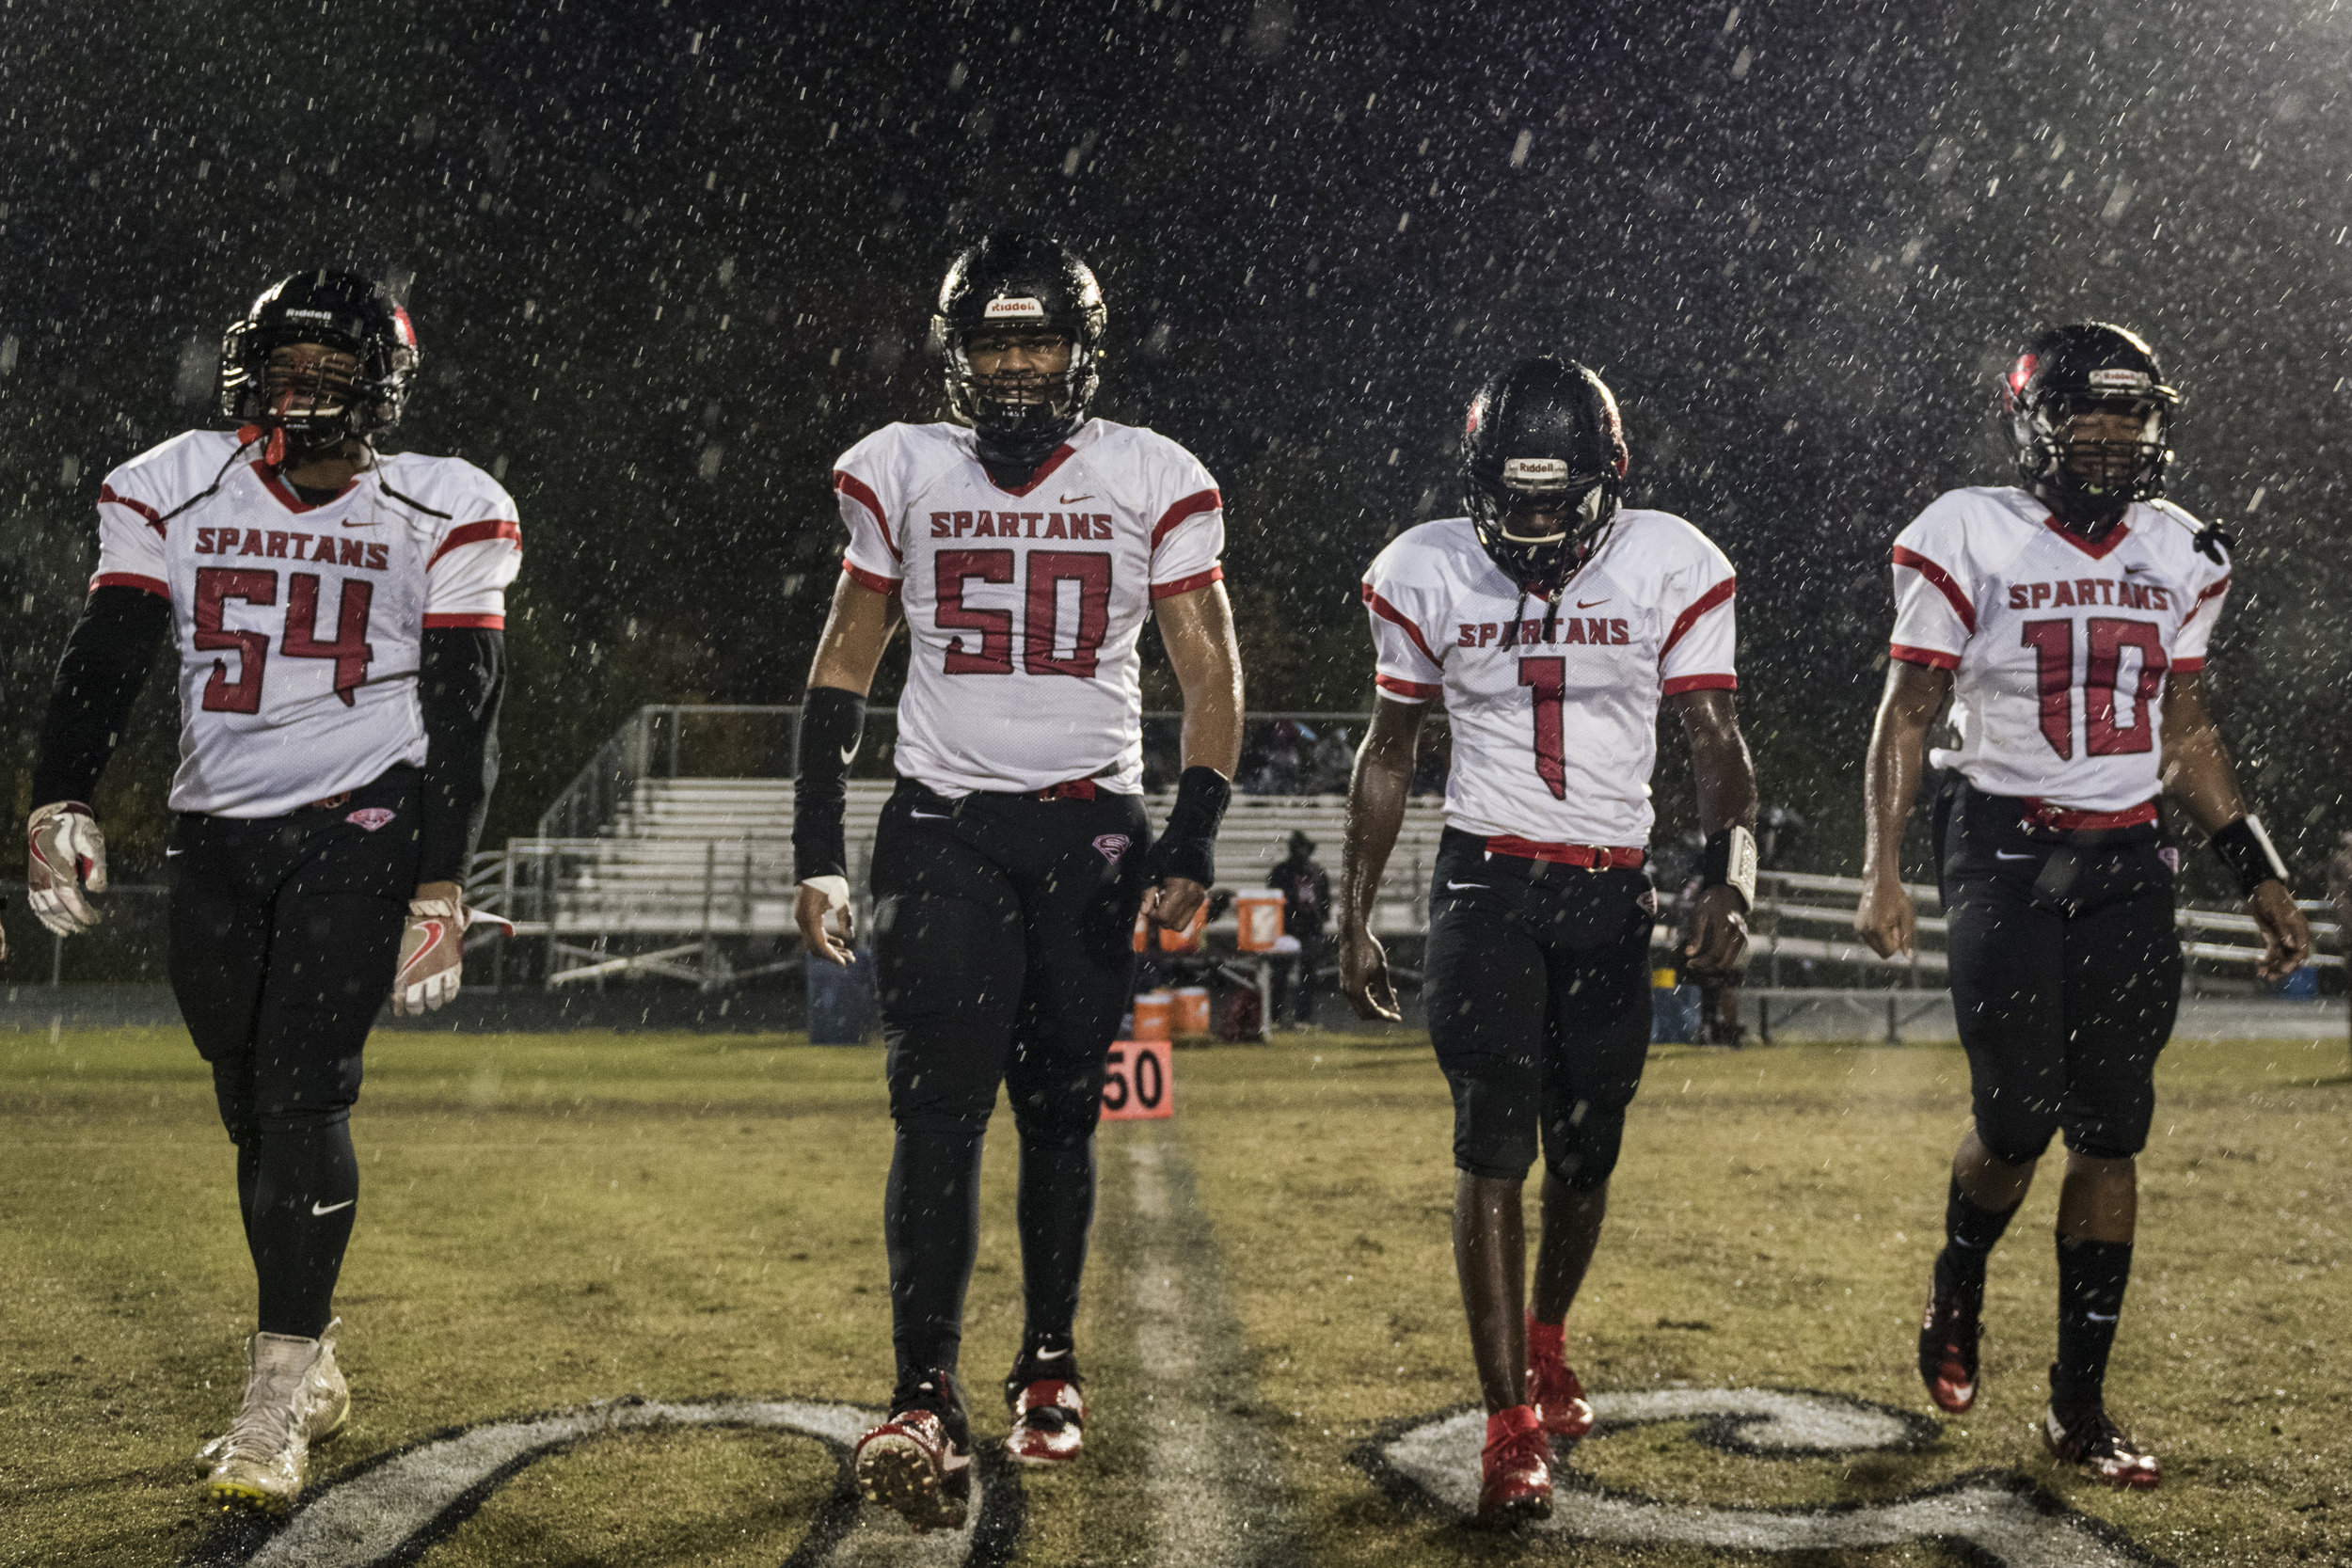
1216, 1500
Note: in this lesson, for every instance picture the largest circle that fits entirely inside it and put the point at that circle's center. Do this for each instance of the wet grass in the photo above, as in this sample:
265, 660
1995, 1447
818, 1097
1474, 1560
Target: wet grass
550, 1220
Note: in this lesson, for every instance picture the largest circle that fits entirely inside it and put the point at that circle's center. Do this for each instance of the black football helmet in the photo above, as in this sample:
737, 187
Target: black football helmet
341, 310
1543, 470
2089, 367
1020, 280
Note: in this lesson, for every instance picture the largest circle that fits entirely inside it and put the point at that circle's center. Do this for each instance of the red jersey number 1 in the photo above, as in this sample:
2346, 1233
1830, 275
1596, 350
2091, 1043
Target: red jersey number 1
1549, 677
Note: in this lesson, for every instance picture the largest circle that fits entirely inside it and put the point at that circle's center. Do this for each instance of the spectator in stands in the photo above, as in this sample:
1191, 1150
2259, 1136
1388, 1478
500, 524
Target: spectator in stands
1306, 908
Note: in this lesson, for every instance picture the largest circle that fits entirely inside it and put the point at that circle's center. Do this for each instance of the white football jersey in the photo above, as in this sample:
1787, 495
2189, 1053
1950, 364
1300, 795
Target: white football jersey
1554, 712
2059, 647
1024, 606
299, 628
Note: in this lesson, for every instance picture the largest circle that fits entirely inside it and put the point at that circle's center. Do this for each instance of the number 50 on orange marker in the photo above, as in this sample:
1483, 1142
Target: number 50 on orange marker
1137, 1085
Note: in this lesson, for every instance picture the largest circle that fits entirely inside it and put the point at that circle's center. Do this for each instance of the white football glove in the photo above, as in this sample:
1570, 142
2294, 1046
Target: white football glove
433, 954
64, 852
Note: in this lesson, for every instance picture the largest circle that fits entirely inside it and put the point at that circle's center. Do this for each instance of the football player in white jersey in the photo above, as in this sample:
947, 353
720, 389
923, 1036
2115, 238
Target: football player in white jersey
1025, 543
337, 614
2066, 619
1553, 622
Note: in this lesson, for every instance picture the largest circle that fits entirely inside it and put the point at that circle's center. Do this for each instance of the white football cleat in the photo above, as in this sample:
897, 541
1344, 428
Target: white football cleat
294, 1395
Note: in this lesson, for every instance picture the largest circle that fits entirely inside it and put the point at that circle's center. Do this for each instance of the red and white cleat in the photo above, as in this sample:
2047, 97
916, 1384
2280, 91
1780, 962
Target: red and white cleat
1948, 1332
1514, 1468
1048, 1419
1553, 1386
2095, 1444
912, 1464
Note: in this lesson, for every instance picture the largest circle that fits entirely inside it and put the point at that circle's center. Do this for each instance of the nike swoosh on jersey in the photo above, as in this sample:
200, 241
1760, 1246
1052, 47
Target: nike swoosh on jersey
1067, 500
931, 815
1453, 886
2011, 855
332, 1207
1587, 604
849, 754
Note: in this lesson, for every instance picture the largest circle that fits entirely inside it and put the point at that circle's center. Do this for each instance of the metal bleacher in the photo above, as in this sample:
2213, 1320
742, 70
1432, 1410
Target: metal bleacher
648, 865
689, 877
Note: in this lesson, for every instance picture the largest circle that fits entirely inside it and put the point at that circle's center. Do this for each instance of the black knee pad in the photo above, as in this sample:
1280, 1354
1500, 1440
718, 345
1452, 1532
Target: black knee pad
2016, 1138
300, 1119
1580, 1146
1494, 1127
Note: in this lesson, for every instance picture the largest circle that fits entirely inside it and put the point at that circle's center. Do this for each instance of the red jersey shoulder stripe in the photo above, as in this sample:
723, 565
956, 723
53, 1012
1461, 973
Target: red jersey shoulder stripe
1944, 583
2213, 591
1389, 612
475, 533
862, 493
1418, 691
1934, 658
1186, 585
1714, 598
1191, 506
154, 519
864, 578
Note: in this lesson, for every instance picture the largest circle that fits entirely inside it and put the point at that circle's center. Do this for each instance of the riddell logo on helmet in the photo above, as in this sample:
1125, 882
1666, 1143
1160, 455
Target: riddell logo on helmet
1535, 471
1015, 310
2119, 380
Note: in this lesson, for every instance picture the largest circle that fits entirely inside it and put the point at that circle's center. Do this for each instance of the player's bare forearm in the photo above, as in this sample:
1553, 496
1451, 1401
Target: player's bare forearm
1726, 775
1719, 762
1890, 787
857, 628
2199, 773
1198, 629
2196, 767
1376, 792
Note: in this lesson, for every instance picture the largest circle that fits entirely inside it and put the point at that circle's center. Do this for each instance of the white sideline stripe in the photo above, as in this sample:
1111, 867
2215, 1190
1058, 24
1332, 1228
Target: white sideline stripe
1442, 1460
1197, 1520
365, 1521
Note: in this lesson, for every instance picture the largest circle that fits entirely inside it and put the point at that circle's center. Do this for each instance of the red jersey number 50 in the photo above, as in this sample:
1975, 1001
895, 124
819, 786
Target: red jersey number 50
986, 649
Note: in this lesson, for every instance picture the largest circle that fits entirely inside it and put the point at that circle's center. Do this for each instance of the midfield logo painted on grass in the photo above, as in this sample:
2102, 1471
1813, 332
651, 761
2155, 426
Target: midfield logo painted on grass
392, 1508
2004, 1517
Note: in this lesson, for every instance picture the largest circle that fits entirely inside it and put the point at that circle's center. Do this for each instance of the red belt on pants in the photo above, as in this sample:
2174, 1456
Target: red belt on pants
1594, 857
2042, 814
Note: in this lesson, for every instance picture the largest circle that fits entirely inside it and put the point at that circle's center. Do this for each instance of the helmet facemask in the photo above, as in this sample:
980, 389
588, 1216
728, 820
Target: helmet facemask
321, 358
2090, 458
1539, 522
1020, 409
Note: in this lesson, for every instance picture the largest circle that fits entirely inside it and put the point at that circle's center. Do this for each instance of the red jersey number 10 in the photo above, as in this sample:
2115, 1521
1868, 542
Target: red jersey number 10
2053, 643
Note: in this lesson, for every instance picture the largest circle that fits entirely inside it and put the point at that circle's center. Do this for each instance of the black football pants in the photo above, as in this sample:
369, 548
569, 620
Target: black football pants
2065, 973
1003, 948
285, 932
1538, 985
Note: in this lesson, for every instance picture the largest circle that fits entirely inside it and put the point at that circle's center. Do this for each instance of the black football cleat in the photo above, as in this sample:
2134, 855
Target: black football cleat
2094, 1444
1947, 1353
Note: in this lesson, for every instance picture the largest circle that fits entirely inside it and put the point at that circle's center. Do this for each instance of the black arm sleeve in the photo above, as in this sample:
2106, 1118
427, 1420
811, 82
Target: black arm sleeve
461, 686
831, 723
105, 663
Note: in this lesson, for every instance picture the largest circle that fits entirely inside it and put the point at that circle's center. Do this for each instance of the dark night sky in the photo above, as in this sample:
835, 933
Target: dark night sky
668, 260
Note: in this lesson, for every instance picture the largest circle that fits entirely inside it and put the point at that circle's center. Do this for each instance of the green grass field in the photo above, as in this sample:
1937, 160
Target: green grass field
551, 1220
